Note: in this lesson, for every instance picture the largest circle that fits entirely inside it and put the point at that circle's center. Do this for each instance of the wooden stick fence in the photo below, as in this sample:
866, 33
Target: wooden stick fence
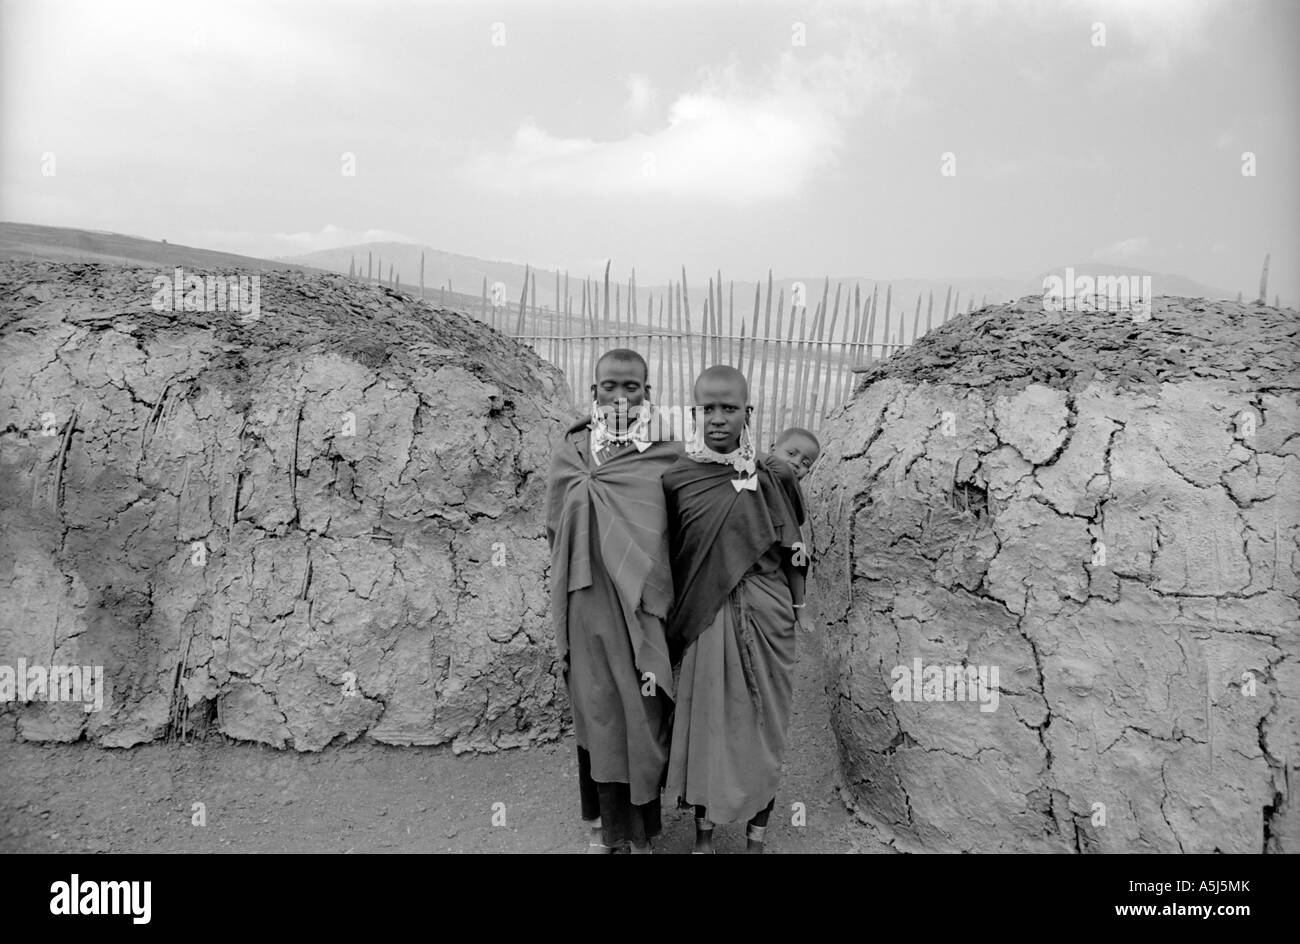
800, 363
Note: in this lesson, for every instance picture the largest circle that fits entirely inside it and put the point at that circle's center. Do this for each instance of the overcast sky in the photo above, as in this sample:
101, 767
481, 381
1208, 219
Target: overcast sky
806, 137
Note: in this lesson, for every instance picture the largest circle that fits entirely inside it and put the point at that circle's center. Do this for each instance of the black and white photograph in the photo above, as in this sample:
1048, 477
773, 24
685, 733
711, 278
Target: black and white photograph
652, 427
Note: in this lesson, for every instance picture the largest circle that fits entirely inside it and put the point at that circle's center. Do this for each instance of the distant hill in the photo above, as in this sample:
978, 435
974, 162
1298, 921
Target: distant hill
65, 244
1162, 283
466, 275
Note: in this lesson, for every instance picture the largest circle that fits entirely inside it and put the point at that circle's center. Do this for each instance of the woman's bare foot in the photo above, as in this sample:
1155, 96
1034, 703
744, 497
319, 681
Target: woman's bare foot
703, 837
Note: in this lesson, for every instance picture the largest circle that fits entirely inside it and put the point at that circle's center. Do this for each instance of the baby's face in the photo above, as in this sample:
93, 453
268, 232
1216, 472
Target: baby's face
799, 453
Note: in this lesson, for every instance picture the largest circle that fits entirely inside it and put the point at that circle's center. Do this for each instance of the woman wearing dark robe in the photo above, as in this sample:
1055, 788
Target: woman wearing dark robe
733, 529
611, 588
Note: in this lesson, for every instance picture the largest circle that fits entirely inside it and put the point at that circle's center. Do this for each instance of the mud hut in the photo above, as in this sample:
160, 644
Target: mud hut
1057, 577
294, 522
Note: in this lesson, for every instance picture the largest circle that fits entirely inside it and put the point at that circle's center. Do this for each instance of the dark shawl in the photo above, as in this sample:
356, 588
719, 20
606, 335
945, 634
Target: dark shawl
717, 534
625, 497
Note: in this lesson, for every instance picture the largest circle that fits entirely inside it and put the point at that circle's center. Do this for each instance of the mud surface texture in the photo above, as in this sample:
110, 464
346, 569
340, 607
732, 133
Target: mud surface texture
1107, 512
295, 530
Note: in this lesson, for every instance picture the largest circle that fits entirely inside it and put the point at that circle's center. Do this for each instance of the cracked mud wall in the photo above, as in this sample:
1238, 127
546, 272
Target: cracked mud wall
323, 523
1109, 512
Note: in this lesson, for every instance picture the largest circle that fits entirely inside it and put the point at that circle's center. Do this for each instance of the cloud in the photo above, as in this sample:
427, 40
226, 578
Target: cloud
1130, 248
642, 99
272, 245
1148, 38
723, 139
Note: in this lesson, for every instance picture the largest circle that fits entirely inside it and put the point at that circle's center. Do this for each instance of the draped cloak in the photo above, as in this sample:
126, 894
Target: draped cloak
611, 590
718, 533
734, 619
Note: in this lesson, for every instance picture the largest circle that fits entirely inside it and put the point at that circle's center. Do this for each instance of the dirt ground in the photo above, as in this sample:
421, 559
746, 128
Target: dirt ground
367, 797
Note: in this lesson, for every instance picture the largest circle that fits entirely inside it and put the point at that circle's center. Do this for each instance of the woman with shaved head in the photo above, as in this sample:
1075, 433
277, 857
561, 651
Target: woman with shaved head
733, 528
611, 588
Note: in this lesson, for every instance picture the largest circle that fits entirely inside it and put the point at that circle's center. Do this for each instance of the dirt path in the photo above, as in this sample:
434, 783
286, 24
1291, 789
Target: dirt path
367, 797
